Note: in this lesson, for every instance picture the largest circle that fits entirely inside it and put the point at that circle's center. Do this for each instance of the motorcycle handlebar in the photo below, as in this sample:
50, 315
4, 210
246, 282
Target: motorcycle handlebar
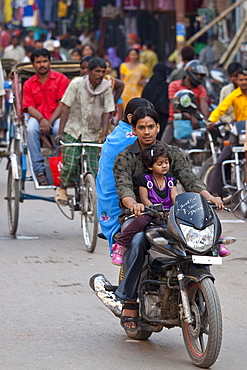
214, 206
154, 210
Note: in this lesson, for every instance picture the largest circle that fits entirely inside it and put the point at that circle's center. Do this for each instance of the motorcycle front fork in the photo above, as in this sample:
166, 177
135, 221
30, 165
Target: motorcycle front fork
186, 315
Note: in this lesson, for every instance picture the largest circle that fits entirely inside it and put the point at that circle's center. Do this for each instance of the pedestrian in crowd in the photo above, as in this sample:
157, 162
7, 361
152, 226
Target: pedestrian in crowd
175, 58
134, 76
187, 54
133, 41
87, 104
109, 70
91, 39
84, 65
5, 37
54, 48
83, 38
3, 121
64, 48
15, 50
57, 54
207, 54
116, 84
238, 100
156, 91
127, 168
41, 99
87, 50
114, 59
38, 44
193, 80
117, 90
148, 57
29, 39
76, 55
28, 50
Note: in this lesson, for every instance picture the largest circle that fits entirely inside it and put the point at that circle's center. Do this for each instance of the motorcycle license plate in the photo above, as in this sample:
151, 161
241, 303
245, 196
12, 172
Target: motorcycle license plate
207, 260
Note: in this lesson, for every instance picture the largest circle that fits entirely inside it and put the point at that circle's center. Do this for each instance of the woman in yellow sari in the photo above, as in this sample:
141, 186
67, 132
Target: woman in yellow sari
134, 75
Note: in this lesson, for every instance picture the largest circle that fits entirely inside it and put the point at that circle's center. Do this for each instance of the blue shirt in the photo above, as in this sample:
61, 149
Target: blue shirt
108, 203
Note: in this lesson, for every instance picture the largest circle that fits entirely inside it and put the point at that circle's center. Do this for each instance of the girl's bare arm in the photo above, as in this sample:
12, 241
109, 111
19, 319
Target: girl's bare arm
144, 196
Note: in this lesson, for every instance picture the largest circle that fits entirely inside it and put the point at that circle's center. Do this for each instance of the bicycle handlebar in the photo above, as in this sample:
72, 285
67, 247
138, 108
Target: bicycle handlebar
81, 144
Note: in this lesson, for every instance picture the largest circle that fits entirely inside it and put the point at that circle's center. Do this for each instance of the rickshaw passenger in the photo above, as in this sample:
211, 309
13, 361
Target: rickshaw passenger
87, 104
41, 99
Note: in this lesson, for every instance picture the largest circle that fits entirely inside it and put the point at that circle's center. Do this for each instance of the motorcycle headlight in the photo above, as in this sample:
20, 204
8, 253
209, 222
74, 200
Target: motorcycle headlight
199, 240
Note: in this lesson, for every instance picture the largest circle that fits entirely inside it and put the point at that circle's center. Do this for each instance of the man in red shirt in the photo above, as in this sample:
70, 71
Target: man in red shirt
193, 80
41, 99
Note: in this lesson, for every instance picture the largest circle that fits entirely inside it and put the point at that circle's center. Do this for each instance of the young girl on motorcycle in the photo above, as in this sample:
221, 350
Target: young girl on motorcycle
155, 186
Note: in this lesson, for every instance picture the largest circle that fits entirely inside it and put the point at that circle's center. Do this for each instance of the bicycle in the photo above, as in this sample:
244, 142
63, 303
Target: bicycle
84, 198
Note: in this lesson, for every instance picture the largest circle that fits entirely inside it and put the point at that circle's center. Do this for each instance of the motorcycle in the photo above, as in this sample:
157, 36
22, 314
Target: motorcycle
176, 286
214, 81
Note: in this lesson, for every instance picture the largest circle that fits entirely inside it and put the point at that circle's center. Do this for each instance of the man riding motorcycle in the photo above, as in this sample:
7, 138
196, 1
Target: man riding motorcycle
193, 80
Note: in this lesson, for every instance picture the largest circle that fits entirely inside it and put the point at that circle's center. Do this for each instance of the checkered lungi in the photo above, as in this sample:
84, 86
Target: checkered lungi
72, 161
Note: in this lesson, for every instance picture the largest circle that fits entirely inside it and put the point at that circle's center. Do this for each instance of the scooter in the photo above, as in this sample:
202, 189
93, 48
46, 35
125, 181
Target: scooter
176, 286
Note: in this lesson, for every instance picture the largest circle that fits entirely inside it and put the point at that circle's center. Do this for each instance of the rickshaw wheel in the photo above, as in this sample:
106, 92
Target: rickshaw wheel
89, 221
13, 195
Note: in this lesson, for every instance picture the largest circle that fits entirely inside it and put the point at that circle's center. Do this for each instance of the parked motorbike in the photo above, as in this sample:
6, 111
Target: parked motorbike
176, 287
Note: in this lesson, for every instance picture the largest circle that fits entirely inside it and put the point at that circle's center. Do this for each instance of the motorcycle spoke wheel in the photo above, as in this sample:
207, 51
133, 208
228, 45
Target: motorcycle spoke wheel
89, 220
206, 171
203, 337
13, 196
239, 204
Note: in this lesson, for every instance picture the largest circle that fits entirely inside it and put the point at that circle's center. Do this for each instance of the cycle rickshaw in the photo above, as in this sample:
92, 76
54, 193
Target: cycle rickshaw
7, 65
83, 196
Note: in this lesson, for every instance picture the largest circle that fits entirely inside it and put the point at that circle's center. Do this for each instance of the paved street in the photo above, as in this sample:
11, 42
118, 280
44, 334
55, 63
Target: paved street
50, 318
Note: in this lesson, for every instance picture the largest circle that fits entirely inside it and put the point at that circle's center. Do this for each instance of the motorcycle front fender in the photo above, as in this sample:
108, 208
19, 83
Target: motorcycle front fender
197, 275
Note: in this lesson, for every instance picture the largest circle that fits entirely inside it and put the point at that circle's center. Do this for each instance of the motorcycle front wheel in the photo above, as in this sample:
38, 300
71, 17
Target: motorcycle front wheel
203, 337
206, 171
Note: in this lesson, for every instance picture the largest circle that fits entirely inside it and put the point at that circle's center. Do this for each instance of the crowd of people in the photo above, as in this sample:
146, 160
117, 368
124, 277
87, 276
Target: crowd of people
138, 166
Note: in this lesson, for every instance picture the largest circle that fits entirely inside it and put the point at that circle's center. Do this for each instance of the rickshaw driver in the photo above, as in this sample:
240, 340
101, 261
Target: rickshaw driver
41, 99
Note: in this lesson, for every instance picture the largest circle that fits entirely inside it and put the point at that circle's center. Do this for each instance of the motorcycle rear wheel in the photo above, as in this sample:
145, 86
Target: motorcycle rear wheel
203, 337
139, 334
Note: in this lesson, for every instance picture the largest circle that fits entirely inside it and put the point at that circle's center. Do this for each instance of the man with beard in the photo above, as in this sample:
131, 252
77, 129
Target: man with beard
87, 104
41, 99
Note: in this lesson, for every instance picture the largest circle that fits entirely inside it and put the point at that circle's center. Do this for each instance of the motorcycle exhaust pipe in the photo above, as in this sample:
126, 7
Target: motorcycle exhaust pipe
99, 283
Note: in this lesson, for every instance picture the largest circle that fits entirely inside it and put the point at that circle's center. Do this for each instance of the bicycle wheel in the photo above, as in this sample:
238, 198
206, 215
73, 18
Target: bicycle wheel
89, 220
13, 196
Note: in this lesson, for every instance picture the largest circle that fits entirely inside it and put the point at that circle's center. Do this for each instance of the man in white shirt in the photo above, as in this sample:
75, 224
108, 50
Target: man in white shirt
15, 51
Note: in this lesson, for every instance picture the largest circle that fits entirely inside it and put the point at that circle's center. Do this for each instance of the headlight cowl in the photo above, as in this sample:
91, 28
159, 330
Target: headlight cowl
199, 240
